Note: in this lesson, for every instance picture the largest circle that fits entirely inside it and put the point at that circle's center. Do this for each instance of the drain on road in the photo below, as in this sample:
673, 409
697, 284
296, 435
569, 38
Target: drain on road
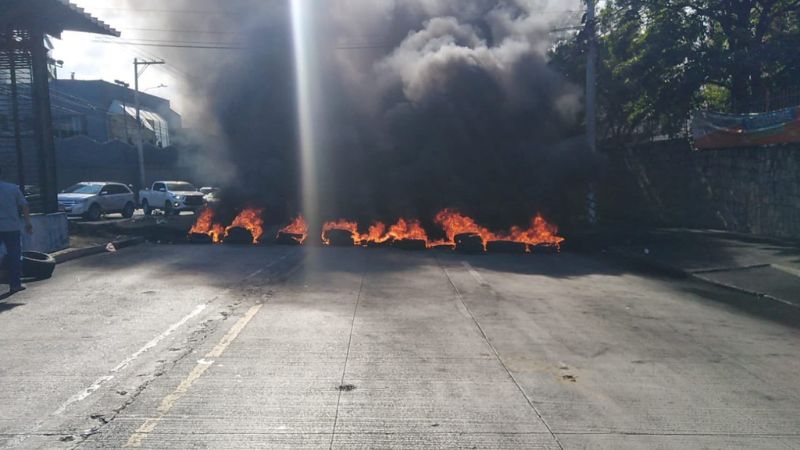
346, 387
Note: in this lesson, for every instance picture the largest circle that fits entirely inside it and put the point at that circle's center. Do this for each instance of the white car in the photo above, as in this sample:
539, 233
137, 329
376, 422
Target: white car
211, 194
92, 199
171, 197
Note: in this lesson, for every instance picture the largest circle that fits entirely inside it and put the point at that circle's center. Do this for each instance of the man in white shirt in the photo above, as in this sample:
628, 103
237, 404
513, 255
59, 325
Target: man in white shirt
11, 203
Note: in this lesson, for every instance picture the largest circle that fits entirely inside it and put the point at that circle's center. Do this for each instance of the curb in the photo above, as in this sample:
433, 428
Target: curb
75, 253
653, 264
697, 275
744, 291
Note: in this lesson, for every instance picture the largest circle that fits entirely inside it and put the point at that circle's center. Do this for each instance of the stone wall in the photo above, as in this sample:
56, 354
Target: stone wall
748, 190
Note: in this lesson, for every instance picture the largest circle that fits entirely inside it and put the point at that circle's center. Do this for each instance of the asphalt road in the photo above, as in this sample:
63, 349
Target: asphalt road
281, 347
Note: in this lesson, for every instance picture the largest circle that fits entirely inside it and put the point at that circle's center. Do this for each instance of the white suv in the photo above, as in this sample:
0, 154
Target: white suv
92, 199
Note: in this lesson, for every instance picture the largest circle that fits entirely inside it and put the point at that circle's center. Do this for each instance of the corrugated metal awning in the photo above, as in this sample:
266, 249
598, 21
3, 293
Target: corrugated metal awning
50, 16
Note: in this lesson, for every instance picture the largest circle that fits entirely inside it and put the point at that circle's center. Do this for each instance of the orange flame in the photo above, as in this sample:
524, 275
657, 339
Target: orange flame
407, 229
205, 225
249, 219
299, 226
376, 233
539, 233
454, 223
343, 225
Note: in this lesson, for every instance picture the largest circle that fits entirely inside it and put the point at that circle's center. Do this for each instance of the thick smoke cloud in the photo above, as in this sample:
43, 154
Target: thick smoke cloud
426, 104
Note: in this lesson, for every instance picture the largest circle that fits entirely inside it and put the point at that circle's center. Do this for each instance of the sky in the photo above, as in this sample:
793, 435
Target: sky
92, 57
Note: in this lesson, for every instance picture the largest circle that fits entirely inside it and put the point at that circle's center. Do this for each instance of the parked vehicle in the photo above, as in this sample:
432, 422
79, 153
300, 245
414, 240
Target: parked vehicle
92, 199
33, 193
211, 194
171, 197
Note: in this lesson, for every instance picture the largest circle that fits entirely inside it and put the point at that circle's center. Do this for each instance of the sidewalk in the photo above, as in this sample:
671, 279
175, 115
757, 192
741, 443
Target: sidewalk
760, 266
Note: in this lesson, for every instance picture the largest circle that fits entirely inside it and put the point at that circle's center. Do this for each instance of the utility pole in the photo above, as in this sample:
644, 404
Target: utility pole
591, 102
139, 141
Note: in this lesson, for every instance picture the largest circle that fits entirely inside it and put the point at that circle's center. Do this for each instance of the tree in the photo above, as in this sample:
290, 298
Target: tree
660, 58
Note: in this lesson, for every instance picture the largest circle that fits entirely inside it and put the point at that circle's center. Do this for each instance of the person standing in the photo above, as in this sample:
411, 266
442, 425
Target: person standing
11, 203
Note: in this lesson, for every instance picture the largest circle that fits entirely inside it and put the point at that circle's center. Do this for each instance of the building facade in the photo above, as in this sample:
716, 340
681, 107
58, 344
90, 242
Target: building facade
104, 111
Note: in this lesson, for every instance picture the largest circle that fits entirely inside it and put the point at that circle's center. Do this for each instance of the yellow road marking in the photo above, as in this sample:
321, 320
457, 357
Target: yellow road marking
135, 440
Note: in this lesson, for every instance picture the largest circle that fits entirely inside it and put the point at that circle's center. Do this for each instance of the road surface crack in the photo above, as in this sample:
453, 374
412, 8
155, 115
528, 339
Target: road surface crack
342, 386
463, 306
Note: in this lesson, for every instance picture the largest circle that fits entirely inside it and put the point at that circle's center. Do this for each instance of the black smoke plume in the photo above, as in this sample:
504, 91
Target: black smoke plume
426, 104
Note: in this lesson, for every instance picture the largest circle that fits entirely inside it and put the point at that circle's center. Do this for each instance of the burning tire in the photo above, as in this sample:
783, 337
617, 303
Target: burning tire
199, 238
239, 236
289, 239
515, 248
340, 238
545, 249
469, 243
37, 265
411, 244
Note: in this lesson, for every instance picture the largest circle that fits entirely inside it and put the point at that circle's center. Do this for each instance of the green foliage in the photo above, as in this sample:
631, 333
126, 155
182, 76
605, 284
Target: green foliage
658, 59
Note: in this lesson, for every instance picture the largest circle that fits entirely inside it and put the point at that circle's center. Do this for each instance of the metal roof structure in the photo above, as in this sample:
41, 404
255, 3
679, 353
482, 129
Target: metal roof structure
25, 94
51, 17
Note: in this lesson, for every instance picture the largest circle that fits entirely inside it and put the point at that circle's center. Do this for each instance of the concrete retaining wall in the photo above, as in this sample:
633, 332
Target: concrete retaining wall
50, 233
748, 190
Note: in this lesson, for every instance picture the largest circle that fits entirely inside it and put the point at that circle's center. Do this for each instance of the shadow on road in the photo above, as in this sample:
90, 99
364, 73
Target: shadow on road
556, 265
759, 307
7, 306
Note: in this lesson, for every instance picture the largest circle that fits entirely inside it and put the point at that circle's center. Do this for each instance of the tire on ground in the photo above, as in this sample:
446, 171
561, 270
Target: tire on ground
37, 265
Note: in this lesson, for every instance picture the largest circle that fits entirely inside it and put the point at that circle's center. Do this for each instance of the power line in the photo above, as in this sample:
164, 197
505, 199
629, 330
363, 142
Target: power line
169, 30
172, 41
167, 45
170, 11
173, 70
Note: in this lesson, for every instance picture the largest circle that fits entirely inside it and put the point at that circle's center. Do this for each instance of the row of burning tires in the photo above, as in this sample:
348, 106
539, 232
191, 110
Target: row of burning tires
465, 243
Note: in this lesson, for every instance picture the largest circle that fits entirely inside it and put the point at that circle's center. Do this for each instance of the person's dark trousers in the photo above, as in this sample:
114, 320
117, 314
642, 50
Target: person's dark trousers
13, 261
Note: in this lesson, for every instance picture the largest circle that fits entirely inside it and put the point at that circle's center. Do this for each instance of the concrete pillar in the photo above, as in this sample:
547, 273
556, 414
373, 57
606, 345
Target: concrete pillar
43, 123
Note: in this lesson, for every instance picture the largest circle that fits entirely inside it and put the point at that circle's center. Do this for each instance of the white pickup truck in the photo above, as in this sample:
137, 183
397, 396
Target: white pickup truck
171, 197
